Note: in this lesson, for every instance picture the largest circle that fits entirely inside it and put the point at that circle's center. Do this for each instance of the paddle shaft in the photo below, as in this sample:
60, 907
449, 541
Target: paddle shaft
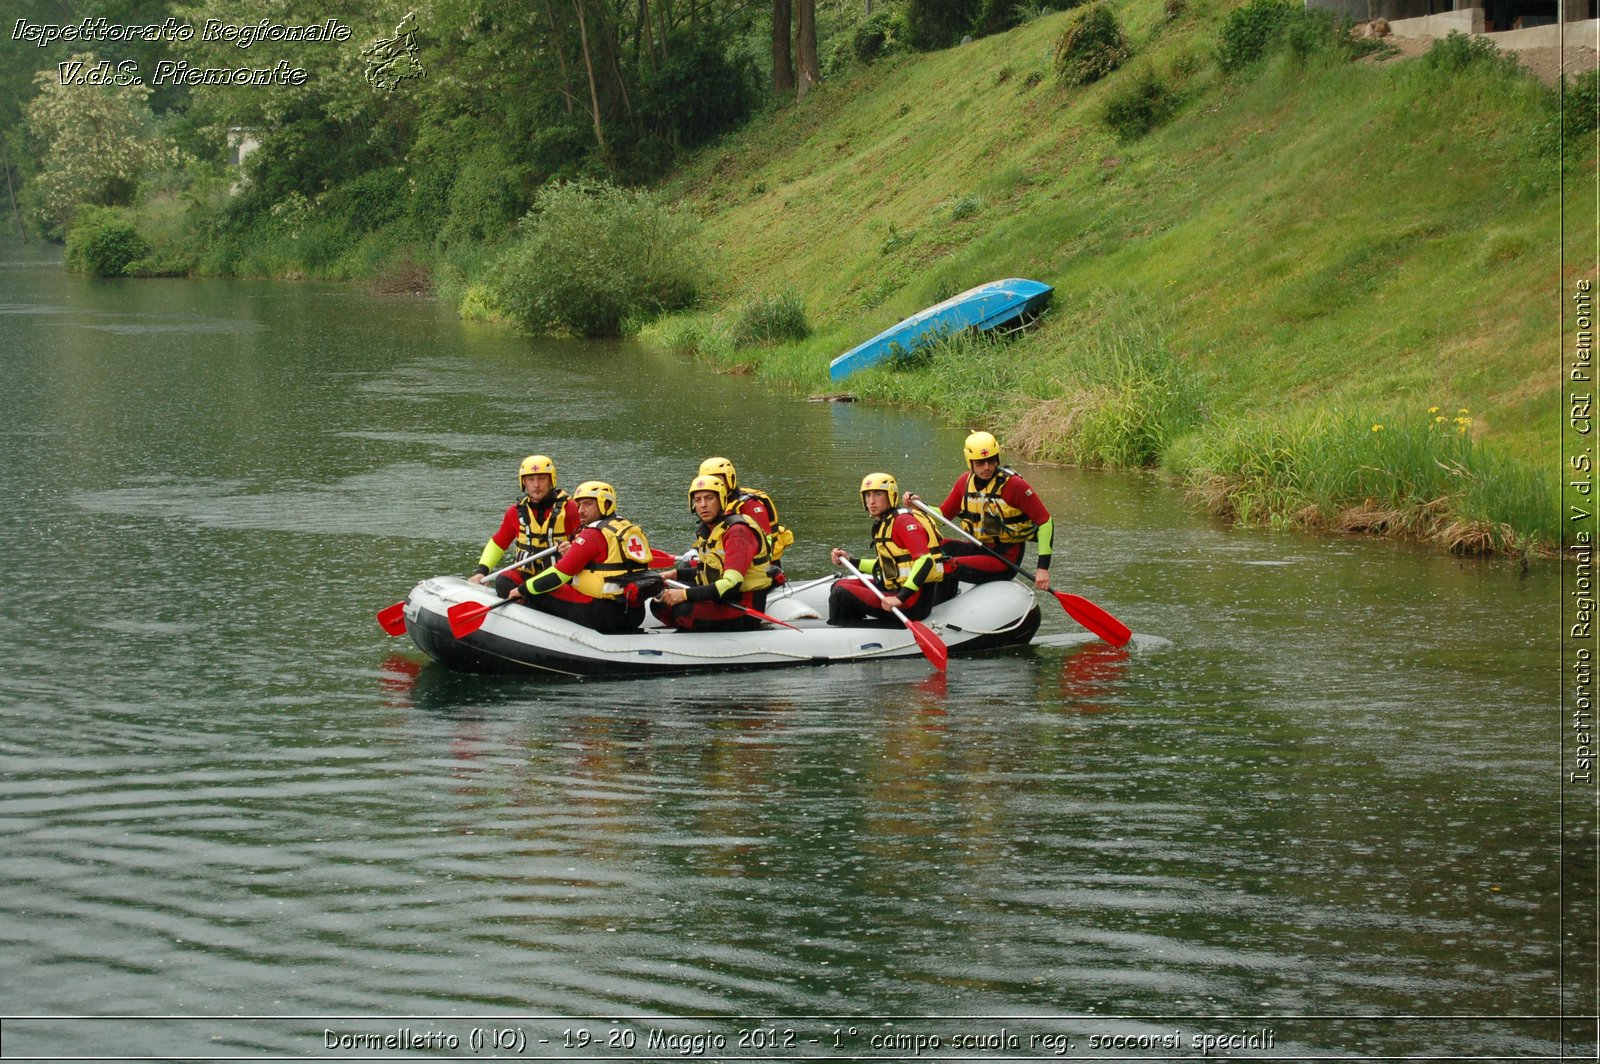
1079, 608
969, 537
932, 646
742, 609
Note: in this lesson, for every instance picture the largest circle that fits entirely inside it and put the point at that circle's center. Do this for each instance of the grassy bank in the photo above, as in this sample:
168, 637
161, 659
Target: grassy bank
1307, 245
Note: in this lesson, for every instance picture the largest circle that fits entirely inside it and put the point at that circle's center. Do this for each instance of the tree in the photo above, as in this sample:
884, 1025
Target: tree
805, 12
782, 45
98, 141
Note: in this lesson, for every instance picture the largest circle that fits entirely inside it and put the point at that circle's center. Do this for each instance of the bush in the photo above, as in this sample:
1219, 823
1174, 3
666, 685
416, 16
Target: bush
1140, 106
1460, 52
104, 243
1092, 47
591, 257
771, 319
1580, 110
1250, 33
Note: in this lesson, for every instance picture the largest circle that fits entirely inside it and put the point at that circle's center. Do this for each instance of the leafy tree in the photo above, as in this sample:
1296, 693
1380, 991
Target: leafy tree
98, 142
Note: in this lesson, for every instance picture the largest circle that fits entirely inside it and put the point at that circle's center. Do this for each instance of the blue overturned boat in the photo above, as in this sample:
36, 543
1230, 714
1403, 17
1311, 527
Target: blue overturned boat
988, 306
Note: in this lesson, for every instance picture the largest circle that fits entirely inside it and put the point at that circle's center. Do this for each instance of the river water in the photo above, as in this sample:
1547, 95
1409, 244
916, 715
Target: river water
1311, 810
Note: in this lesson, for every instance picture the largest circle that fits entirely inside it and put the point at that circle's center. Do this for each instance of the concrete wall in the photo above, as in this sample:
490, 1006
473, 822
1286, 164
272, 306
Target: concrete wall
1365, 10
1468, 21
1414, 15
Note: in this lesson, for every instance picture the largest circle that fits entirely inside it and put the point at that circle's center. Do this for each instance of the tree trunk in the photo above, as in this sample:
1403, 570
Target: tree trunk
557, 47
782, 63
594, 91
810, 74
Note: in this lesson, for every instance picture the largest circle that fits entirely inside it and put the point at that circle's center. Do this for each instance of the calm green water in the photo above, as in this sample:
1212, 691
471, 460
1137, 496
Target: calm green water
1314, 803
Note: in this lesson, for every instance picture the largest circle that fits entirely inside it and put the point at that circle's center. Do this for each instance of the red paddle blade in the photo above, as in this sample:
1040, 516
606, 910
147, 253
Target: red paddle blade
933, 647
393, 618
1094, 618
467, 617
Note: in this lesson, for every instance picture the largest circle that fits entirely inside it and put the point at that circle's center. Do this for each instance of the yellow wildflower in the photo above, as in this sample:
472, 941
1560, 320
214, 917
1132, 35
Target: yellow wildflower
1377, 428
1433, 410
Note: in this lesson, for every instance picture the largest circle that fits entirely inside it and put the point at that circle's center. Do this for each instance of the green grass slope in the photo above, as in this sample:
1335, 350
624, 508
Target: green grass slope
1312, 245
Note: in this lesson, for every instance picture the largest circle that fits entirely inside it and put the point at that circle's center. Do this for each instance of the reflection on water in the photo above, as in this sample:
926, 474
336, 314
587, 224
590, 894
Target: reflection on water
1315, 786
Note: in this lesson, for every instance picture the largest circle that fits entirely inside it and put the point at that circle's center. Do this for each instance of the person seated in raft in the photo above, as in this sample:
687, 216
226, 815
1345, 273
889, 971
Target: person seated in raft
908, 563
731, 567
544, 517
999, 508
754, 504
603, 577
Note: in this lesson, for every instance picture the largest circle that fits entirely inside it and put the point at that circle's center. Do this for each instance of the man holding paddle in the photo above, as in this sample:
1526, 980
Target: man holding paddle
907, 561
543, 518
999, 512
728, 586
601, 580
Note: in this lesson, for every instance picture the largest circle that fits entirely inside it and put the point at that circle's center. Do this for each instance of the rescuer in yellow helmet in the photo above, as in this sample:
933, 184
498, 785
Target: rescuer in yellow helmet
906, 561
602, 579
752, 503
998, 507
731, 570
543, 517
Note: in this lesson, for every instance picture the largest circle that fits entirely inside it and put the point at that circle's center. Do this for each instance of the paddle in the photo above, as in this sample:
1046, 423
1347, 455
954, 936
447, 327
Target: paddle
932, 646
467, 617
1078, 608
795, 589
742, 609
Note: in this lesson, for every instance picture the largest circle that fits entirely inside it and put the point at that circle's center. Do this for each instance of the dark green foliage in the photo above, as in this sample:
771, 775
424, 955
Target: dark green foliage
1460, 52
1580, 111
932, 24
482, 203
1250, 31
1092, 46
104, 243
590, 258
1139, 106
876, 36
367, 201
697, 93
996, 16
1262, 27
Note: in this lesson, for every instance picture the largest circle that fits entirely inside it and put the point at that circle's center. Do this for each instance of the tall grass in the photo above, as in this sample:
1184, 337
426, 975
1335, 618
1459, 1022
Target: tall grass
1419, 474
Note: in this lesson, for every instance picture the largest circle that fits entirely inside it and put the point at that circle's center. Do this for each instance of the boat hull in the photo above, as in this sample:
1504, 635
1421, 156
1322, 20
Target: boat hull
987, 306
516, 639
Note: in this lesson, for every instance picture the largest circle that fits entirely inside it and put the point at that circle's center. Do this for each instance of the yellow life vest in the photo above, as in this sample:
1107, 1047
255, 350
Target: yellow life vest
627, 552
989, 517
781, 538
712, 562
895, 562
534, 535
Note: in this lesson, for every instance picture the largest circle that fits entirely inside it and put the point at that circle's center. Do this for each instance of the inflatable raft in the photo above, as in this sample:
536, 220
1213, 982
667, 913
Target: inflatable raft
516, 639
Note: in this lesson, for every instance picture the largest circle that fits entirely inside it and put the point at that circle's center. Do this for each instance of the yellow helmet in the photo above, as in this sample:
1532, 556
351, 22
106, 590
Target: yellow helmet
982, 445
880, 482
709, 482
537, 463
721, 467
600, 492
